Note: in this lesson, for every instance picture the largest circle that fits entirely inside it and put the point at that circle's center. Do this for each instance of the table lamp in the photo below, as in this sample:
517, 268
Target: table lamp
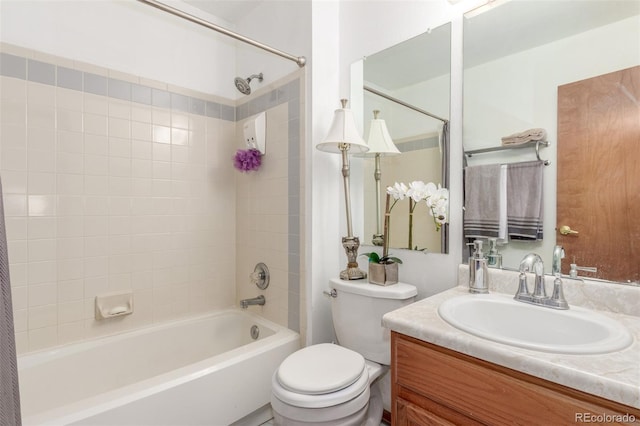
343, 138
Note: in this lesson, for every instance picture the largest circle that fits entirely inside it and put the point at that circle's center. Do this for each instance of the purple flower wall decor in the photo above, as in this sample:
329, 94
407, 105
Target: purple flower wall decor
247, 160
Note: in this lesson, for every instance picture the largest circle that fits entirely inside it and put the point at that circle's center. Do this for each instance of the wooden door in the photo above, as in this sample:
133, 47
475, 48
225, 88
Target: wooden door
598, 176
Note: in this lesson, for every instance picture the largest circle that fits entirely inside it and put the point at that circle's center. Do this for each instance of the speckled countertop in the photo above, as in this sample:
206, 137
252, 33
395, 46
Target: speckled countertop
614, 376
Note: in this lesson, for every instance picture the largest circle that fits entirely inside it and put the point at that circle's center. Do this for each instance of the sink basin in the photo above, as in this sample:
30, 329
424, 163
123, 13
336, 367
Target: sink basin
501, 319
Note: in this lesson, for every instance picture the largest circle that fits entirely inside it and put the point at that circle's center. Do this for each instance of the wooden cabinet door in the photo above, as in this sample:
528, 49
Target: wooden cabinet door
433, 385
409, 414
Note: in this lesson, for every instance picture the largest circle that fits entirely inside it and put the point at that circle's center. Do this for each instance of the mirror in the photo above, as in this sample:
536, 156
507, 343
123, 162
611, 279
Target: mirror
409, 84
516, 56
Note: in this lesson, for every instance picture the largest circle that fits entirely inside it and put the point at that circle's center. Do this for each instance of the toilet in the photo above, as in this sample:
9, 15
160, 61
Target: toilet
335, 384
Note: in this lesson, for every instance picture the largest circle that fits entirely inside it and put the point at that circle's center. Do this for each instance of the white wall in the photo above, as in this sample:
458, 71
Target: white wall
283, 25
432, 96
128, 36
324, 230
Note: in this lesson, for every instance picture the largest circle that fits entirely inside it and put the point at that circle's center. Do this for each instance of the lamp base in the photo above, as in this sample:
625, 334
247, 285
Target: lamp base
378, 240
352, 272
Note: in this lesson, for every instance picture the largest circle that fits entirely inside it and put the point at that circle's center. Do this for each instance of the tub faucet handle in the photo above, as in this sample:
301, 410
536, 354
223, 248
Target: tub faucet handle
260, 276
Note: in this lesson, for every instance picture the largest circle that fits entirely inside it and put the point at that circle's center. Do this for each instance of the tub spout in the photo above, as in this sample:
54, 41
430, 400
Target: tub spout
244, 303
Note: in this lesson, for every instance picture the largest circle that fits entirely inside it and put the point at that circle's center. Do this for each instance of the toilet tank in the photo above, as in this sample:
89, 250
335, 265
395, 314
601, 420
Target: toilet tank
357, 312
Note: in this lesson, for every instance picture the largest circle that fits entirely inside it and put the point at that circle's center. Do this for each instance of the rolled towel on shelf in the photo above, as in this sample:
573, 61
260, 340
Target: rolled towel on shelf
536, 134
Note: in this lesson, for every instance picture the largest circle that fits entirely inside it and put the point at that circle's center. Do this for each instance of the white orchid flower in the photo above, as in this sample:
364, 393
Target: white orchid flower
439, 206
436, 194
431, 189
418, 190
440, 209
398, 191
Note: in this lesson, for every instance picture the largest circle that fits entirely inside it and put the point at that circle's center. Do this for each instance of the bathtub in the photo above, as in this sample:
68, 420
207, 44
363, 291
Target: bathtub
206, 370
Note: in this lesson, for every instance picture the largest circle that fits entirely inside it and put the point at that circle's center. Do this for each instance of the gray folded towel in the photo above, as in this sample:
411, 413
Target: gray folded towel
525, 200
482, 201
536, 134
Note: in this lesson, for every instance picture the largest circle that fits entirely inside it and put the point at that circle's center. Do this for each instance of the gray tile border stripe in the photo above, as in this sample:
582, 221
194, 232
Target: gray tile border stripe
41, 72
290, 93
418, 144
141, 94
68, 78
13, 66
119, 89
95, 84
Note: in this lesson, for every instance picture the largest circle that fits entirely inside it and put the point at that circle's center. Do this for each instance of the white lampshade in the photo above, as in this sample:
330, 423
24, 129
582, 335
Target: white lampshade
343, 131
380, 141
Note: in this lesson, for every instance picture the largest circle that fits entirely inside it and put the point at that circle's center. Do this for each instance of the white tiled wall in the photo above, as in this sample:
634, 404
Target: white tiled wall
124, 186
269, 207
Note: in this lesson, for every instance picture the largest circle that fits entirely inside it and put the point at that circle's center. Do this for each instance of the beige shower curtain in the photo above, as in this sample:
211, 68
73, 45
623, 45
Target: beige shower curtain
9, 392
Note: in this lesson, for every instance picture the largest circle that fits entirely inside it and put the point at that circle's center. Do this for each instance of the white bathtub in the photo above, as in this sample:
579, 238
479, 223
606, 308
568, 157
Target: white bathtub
201, 371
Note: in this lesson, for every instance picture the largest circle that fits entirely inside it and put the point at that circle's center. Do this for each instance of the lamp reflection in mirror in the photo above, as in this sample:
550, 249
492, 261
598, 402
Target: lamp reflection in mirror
380, 144
343, 138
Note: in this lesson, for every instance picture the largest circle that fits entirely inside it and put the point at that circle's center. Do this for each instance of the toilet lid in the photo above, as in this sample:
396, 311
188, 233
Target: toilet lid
320, 369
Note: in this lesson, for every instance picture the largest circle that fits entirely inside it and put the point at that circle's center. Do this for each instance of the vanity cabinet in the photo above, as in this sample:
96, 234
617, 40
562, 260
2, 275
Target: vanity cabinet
432, 385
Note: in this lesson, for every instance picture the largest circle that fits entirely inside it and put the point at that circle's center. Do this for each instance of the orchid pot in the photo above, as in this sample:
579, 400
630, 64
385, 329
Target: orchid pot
383, 271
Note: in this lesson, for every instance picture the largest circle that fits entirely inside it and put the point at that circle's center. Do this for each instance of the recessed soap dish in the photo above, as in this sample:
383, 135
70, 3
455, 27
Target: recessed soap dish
115, 304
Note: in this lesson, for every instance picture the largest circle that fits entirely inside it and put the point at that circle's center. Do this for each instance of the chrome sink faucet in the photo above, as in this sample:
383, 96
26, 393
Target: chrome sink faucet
533, 263
244, 303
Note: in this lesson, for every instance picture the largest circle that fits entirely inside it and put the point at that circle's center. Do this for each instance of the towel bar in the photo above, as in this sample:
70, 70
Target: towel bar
535, 144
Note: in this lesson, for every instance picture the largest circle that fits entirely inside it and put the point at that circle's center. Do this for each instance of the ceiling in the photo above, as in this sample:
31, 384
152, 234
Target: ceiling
229, 10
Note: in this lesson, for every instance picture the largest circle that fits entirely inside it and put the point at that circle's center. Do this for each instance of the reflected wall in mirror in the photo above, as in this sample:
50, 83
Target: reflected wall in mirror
409, 84
516, 56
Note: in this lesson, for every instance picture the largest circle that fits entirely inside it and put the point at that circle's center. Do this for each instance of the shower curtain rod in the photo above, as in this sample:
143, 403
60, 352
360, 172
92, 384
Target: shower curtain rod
398, 101
300, 60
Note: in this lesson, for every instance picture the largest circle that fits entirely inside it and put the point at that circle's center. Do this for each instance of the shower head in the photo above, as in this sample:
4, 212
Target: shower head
243, 85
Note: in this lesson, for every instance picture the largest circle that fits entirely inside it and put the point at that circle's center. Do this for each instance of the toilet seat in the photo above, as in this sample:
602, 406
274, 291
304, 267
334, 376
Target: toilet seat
319, 376
320, 369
